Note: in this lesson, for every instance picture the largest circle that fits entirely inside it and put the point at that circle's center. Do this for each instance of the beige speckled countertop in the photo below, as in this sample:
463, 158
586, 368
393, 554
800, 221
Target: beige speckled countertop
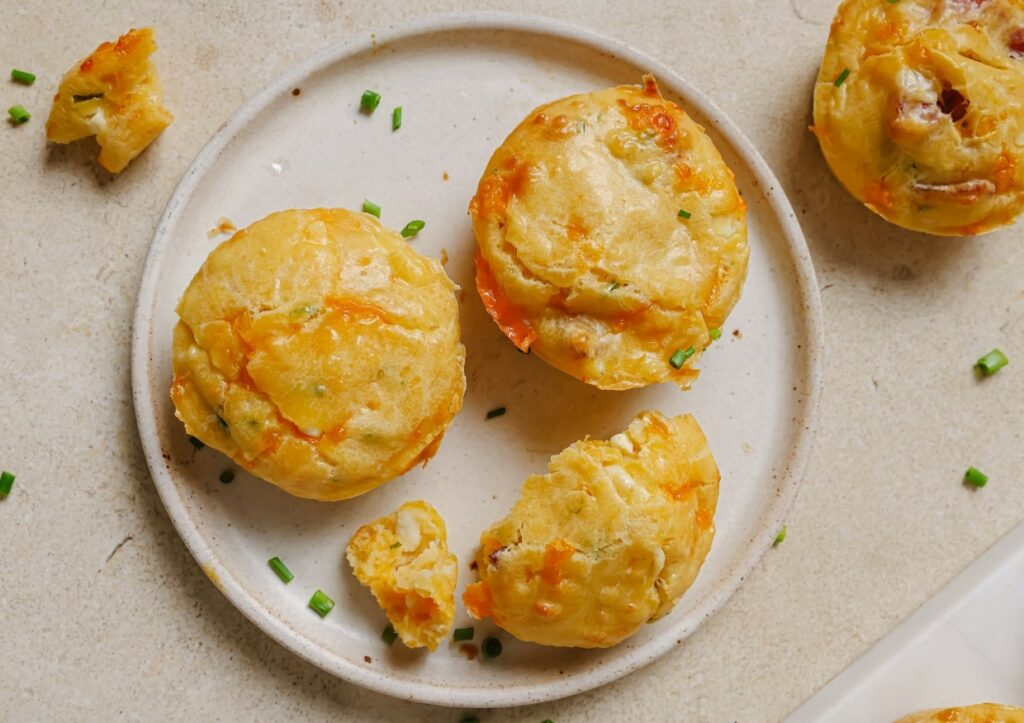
103, 613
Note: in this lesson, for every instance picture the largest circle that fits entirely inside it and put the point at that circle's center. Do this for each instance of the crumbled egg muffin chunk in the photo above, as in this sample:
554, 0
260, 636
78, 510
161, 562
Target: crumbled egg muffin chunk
607, 540
114, 94
404, 559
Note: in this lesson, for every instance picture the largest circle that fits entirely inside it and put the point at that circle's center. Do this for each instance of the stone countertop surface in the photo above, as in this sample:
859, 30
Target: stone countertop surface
103, 613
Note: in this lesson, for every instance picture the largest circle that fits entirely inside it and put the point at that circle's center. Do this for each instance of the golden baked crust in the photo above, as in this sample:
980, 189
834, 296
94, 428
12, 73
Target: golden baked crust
115, 95
606, 541
919, 110
981, 713
320, 352
583, 255
403, 558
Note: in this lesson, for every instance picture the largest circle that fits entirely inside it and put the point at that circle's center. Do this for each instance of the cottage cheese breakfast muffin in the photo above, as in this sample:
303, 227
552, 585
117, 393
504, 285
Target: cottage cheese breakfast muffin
919, 109
612, 238
320, 352
982, 713
403, 558
607, 540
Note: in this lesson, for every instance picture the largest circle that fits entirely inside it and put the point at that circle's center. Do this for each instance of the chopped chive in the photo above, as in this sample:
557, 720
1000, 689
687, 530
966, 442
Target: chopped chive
195, 442
679, 358
892, 2
370, 100
992, 362
842, 77
222, 422
227, 477
18, 114
780, 537
496, 412
547, 720
286, 575
371, 208
396, 118
715, 334
23, 76
412, 228
396, 545
389, 635
684, 213
492, 647
6, 483
614, 286
975, 477
320, 603
463, 634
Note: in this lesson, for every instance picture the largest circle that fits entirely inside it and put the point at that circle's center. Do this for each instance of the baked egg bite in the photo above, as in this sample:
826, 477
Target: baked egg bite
981, 713
404, 559
320, 352
607, 540
919, 111
114, 94
610, 237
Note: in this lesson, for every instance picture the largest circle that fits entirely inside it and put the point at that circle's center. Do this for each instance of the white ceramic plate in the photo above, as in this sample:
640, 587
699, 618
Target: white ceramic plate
464, 83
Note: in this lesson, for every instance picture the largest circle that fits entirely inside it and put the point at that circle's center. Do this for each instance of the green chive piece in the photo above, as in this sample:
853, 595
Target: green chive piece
370, 100
396, 118
321, 604
389, 635
492, 647
715, 334
496, 412
547, 720
18, 114
684, 213
412, 228
679, 358
227, 477
6, 483
282, 571
371, 208
992, 362
463, 634
23, 76
892, 2
842, 77
396, 545
614, 286
975, 477
196, 443
780, 537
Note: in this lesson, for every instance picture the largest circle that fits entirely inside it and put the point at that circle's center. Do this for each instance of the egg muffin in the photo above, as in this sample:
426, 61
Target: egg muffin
981, 713
607, 540
403, 558
611, 237
320, 352
918, 111
114, 94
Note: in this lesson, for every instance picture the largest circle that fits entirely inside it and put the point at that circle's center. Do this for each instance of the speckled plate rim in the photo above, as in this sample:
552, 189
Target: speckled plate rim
310, 649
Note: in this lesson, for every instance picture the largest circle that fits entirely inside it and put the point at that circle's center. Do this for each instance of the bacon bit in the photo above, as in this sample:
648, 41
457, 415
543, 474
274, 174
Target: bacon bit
478, 600
877, 194
953, 103
506, 315
704, 518
1004, 172
1016, 41
555, 554
473, 565
224, 225
469, 650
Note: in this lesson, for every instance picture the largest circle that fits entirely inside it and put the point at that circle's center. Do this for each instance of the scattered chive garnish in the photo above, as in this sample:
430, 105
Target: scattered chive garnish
6, 483
842, 77
396, 545
679, 358
18, 114
614, 286
320, 603
396, 118
684, 213
496, 412
975, 477
371, 208
992, 362
195, 442
780, 537
463, 634
23, 76
412, 228
715, 334
227, 477
389, 635
492, 647
369, 101
282, 571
